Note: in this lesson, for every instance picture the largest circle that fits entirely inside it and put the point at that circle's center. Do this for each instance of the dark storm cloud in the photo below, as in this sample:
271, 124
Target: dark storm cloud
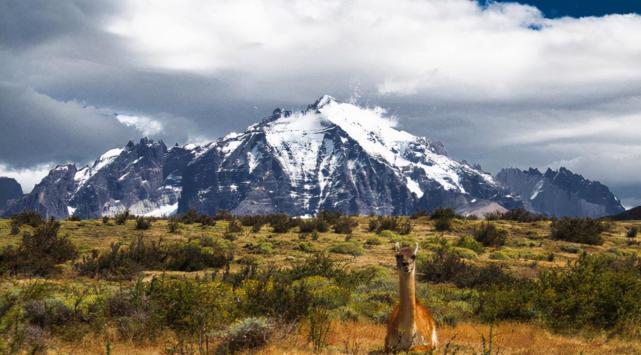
24, 24
38, 129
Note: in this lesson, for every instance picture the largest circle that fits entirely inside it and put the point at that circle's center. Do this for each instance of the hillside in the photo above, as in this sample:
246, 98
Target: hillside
629, 215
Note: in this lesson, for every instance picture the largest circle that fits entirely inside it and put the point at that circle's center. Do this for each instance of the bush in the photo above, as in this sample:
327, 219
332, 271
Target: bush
313, 225
121, 218
173, 225
330, 217
508, 301
470, 243
373, 241
446, 213
247, 333
345, 225
307, 247
443, 224
578, 230
280, 223
349, 248
105, 219
142, 223
234, 226
400, 225
632, 232
517, 214
124, 263
223, 215
490, 236
39, 253
191, 217
30, 218
445, 265
595, 292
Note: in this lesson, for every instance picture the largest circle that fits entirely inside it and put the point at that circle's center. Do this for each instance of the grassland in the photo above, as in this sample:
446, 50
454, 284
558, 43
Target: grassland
358, 325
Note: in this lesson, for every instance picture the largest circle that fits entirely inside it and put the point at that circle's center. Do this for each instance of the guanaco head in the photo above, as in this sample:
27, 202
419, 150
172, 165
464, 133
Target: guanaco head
406, 258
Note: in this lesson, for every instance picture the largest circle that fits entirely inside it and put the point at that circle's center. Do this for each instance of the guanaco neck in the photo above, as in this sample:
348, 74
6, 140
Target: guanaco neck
407, 305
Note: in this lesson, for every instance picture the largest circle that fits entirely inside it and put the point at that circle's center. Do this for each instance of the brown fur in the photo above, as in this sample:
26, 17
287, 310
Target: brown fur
411, 326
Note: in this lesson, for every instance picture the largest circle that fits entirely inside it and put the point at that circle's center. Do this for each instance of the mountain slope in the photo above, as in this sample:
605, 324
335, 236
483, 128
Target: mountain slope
329, 156
560, 193
633, 214
10, 190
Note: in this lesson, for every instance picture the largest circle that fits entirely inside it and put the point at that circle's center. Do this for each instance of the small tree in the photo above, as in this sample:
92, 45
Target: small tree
490, 236
632, 232
578, 230
142, 223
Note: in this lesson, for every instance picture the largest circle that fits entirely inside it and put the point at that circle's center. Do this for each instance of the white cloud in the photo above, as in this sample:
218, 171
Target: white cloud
27, 178
448, 49
145, 125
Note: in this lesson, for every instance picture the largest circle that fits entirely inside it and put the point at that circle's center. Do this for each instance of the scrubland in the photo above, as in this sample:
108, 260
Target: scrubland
277, 285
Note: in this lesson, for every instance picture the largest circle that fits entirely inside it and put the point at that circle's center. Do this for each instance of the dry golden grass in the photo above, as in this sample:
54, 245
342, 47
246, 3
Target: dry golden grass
526, 245
366, 338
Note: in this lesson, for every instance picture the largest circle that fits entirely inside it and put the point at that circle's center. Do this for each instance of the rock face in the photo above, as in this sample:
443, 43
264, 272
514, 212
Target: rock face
330, 156
10, 190
560, 193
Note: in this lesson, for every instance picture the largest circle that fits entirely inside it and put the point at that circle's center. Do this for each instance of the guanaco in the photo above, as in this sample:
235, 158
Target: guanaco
411, 326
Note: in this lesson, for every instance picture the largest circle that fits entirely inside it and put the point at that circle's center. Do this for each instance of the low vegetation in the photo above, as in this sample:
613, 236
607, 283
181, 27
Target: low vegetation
226, 284
578, 230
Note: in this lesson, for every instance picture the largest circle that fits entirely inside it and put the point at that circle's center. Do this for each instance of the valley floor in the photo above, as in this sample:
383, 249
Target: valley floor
359, 327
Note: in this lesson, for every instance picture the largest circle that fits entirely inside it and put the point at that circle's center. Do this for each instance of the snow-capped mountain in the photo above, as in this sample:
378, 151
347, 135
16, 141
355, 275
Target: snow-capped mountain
330, 156
560, 193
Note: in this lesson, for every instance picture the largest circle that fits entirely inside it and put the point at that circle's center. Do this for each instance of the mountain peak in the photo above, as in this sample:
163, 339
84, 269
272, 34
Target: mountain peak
322, 102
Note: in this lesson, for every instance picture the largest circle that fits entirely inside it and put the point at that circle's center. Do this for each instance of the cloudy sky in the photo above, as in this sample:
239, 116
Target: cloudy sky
549, 84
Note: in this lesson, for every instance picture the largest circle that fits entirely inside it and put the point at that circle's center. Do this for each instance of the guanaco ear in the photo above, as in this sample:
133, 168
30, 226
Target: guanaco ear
416, 249
397, 247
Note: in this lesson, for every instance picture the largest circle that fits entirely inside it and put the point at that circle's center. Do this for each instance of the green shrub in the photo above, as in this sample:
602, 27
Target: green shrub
247, 333
578, 230
124, 263
469, 243
39, 253
465, 253
281, 223
632, 232
121, 218
234, 226
345, 225
570, 249
192, 216
30, 218
488, 235
445, 265
105, 219
349, 248
443, 213
499, 255
389, 235
595, 292
173, 225
307, 247
313, 225
330, 217
518, 215
508, 301
401, 225
371, 241
443, 224
142, 223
